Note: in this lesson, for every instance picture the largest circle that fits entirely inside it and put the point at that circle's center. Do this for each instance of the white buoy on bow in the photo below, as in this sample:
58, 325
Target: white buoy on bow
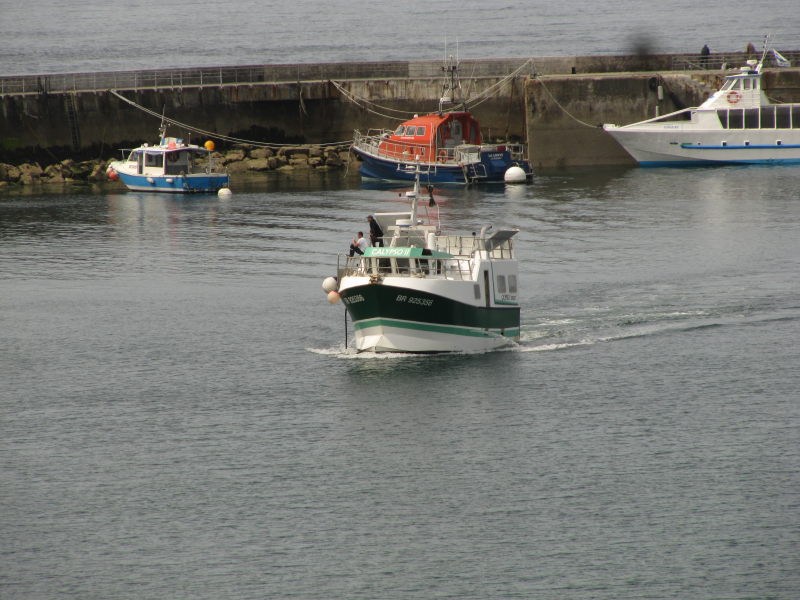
330, 284
515, 175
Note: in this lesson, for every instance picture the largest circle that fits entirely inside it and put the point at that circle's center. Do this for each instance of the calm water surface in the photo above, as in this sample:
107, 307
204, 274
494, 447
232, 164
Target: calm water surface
40, 36
180, 418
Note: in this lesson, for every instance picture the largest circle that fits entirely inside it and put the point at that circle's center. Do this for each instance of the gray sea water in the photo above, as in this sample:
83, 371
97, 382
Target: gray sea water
44, 36
180, 417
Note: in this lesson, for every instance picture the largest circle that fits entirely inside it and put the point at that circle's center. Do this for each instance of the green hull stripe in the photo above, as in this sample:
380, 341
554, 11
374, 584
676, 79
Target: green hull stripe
510, 332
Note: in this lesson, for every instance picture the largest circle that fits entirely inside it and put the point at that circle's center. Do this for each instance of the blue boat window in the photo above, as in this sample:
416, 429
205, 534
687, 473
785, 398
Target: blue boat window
153, 160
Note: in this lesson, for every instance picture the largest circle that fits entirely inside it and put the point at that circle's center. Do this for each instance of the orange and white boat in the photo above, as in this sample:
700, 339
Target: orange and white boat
445, 147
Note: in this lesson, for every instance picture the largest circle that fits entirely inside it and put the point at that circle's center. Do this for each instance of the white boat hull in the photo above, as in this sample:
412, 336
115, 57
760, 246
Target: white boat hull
383, 335
653, 147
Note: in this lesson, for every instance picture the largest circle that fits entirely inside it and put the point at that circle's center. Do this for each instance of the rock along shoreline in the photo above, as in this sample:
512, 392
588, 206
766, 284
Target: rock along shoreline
240, 159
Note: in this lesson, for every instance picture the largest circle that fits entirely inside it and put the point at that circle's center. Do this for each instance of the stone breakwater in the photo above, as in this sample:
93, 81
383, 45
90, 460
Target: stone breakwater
240, 159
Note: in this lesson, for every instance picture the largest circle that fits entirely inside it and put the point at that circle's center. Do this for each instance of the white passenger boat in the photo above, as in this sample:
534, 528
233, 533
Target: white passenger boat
425, 291
170, 166
737, 124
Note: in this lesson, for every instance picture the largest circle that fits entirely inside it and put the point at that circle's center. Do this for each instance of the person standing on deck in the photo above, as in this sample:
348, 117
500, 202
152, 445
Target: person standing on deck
375, 232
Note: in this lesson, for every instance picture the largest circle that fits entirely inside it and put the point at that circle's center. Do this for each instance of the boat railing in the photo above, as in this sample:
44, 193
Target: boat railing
457, 269
464, 245
378, 142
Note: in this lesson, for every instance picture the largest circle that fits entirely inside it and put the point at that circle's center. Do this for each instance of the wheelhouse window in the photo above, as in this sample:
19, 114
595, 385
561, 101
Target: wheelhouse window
501, 284
411, 130
736, 118
768, 117
153, 160
420, 130
512, 284
400, 130
783, 117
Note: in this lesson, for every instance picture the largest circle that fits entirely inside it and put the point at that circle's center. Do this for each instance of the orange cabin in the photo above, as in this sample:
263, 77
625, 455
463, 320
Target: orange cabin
431, 137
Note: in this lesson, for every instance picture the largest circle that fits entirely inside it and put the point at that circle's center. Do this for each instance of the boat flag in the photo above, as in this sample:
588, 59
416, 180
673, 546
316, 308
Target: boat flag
780, 59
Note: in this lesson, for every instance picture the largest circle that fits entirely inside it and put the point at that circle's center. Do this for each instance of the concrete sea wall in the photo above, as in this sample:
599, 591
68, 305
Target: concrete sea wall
556, 104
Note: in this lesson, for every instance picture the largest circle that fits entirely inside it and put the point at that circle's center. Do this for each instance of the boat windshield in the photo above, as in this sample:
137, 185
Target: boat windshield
154, 159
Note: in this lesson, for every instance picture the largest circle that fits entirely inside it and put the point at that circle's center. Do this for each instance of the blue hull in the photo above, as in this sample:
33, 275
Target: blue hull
491, 168
175, 184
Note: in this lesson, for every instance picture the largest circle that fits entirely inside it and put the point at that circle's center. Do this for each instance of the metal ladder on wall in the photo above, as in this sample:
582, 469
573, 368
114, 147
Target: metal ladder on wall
72, 120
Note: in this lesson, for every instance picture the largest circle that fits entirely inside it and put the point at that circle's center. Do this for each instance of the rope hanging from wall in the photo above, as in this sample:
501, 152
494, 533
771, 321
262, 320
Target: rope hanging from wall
470, 103
219, 136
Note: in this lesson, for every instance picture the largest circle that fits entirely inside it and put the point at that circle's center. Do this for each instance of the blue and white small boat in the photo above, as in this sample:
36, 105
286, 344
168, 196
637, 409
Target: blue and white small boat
171, 166
738, 124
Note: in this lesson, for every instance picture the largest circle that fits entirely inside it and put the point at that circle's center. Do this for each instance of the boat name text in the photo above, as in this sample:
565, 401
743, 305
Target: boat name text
354, 299
378, 251
414, 300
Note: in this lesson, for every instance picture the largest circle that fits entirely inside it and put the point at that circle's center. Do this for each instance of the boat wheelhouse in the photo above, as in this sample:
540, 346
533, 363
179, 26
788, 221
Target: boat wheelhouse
736, 124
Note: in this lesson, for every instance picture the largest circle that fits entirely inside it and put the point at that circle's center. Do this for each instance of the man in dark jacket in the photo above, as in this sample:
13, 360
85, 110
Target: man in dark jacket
375, 232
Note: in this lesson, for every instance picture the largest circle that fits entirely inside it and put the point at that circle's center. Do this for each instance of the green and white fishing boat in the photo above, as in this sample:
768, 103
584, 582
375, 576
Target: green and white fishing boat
425, 291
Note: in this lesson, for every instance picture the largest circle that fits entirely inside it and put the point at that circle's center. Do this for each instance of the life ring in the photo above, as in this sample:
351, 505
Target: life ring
733, 97
442, 155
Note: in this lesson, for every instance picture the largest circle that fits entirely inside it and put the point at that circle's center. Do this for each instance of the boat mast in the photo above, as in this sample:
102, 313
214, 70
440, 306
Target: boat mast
451, 82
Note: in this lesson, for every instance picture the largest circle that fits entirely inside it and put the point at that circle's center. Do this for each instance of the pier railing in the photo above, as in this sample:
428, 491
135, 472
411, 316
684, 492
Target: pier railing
244, 75
716, 62
296, 73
